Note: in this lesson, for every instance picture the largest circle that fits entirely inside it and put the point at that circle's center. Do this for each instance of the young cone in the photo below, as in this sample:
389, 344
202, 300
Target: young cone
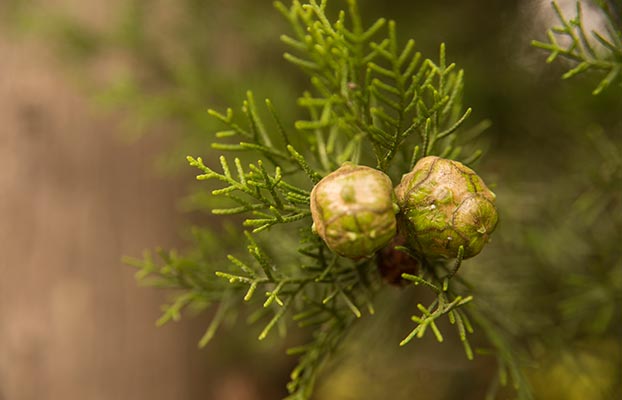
445, 205
353, 210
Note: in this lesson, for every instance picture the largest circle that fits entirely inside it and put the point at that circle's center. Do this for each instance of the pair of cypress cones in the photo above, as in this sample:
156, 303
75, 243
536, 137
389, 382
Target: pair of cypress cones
438, 207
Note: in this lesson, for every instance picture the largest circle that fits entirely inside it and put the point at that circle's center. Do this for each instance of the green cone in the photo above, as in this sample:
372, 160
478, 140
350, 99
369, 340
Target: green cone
445, 205
353, 210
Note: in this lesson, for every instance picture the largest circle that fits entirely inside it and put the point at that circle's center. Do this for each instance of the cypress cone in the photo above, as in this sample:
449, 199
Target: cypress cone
353, 210
445, 205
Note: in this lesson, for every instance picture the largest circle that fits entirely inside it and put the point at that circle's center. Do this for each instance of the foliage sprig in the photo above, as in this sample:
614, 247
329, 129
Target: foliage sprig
445, 304
372, 93
597, 51
266, 196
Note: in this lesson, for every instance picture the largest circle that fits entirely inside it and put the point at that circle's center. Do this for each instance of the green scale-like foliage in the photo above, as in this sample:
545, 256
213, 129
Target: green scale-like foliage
370, 102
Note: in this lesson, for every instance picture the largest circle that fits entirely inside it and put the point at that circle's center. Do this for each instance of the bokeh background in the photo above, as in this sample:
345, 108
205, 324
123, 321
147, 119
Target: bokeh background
101, 101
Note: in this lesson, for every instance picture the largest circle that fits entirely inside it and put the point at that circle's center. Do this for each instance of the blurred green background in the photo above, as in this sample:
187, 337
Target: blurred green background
83, 186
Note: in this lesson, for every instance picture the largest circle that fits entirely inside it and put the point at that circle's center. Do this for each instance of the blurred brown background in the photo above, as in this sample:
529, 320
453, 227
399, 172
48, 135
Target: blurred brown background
75, 199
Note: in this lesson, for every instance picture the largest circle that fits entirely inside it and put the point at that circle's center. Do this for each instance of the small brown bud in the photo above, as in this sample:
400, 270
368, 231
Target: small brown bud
393, 263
